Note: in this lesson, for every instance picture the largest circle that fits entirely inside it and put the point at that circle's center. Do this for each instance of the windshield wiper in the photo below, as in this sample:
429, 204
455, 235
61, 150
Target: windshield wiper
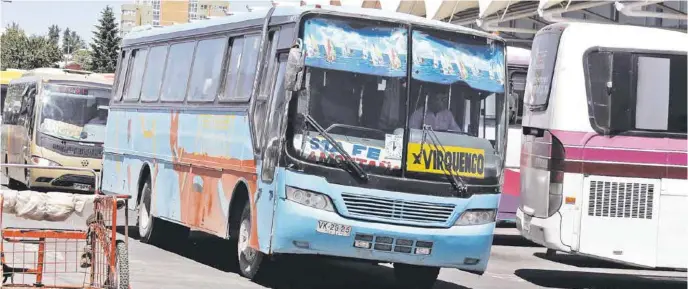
359, 172
457, 182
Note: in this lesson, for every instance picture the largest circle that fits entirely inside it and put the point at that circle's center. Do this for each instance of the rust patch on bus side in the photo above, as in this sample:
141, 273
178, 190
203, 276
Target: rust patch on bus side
200, 204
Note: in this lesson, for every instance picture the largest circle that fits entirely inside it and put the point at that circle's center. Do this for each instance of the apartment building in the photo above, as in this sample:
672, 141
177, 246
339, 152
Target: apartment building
169, 12
135, 15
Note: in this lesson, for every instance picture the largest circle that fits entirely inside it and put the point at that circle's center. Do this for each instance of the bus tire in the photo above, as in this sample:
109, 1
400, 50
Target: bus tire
145, 222
415, 277
249, 259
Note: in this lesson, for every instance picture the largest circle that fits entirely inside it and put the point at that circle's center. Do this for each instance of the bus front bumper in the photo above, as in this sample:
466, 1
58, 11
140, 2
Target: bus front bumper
542, 231
56, 179
463, 247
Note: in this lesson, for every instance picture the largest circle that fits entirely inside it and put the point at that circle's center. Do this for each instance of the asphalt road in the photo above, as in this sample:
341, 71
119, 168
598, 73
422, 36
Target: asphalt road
514, 263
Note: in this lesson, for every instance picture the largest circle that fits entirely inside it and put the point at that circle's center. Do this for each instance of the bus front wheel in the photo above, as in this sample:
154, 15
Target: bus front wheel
415, 277
249, 259
145, 222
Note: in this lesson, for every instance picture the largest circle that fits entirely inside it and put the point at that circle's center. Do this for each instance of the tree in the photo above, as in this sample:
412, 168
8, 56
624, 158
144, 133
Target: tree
13, 45
43, 52
54, 34
22, 52
106, 42
82, 57
71, 41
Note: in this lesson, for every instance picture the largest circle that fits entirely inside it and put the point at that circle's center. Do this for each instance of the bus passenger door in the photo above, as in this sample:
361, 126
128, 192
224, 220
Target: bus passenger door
272, 125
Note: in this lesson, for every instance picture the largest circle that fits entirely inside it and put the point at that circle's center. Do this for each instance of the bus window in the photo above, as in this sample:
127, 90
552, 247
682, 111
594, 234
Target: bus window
121, 76
136, 76
207, 66
541, 69
3, 92
518, 87
177, 71
153, 76
659, 102
242, 68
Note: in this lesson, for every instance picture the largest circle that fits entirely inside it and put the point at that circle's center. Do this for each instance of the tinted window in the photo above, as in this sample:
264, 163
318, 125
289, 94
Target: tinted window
153, 77
121, 76
207, 67
177, 71
541, 69
268, 77
634, 91
242, 68
136, 75
518, 86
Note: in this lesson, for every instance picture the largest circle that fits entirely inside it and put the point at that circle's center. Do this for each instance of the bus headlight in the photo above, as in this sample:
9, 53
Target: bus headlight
311, 199
44, 162
473, 217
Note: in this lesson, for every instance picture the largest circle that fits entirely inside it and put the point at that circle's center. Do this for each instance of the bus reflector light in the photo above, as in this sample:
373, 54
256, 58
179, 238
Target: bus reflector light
362, 244
471, 261
302, 244
423, 251
570, 200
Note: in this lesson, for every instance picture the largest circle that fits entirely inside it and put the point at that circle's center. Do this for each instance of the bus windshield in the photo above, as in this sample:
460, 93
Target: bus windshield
72, 112
358, 91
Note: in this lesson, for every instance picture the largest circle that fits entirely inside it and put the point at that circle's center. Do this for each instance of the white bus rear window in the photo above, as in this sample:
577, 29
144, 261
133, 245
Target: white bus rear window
541, 69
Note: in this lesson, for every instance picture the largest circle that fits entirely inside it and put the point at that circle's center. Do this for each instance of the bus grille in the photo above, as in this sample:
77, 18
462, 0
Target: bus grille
397, 210
621, 199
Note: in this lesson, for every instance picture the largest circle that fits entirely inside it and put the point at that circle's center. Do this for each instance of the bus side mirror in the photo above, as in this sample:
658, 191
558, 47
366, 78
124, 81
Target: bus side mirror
294, 70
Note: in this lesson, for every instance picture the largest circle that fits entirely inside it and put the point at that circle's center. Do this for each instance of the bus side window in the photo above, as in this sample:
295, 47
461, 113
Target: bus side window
241, 70
121, 75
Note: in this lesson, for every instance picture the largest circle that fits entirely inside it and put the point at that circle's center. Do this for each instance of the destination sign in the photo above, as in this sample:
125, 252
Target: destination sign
460, 161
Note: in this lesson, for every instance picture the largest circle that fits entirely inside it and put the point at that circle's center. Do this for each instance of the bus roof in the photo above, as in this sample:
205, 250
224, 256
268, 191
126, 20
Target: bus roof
623, 36
51, 74
6, 76
292, 12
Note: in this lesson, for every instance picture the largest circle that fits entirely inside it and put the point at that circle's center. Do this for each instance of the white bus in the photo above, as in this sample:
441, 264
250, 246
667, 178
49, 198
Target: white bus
603, 164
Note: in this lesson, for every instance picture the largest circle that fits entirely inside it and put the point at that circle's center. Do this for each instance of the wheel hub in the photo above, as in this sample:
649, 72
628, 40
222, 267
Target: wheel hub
244, 248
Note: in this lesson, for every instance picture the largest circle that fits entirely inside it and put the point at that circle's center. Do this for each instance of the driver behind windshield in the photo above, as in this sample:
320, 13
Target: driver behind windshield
437, 116
100, 119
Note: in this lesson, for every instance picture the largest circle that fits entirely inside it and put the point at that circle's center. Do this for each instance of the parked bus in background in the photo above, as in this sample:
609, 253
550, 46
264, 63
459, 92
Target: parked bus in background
5, 77
54, 117
603, 169
300, 130
517, 67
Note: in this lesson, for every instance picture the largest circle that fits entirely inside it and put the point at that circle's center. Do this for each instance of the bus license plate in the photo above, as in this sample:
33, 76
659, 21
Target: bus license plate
82, 187
333, 229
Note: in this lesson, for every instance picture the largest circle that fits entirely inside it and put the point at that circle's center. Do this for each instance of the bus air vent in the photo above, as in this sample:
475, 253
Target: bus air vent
620, 199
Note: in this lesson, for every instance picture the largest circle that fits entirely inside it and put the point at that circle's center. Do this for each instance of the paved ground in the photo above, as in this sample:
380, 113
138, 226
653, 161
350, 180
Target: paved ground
515, 263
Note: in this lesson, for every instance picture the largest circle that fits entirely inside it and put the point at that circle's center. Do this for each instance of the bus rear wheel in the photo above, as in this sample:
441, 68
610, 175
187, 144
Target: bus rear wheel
249, 258
415, 277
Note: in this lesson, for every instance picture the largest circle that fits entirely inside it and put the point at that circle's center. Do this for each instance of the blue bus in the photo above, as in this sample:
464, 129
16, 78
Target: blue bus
350, 133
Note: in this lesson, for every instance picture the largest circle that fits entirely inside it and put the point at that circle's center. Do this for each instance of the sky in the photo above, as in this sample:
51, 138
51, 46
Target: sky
35, 16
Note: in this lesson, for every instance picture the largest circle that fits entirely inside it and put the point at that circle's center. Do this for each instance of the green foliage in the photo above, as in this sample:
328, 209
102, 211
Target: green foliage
22, 52
83, 58
71, 42
106, 42
54, 34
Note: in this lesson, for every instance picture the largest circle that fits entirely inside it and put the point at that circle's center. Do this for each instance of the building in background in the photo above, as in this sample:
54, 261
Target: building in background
170, 12
135, 15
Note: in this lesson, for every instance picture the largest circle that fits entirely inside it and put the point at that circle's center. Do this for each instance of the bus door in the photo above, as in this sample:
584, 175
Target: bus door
272, 130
